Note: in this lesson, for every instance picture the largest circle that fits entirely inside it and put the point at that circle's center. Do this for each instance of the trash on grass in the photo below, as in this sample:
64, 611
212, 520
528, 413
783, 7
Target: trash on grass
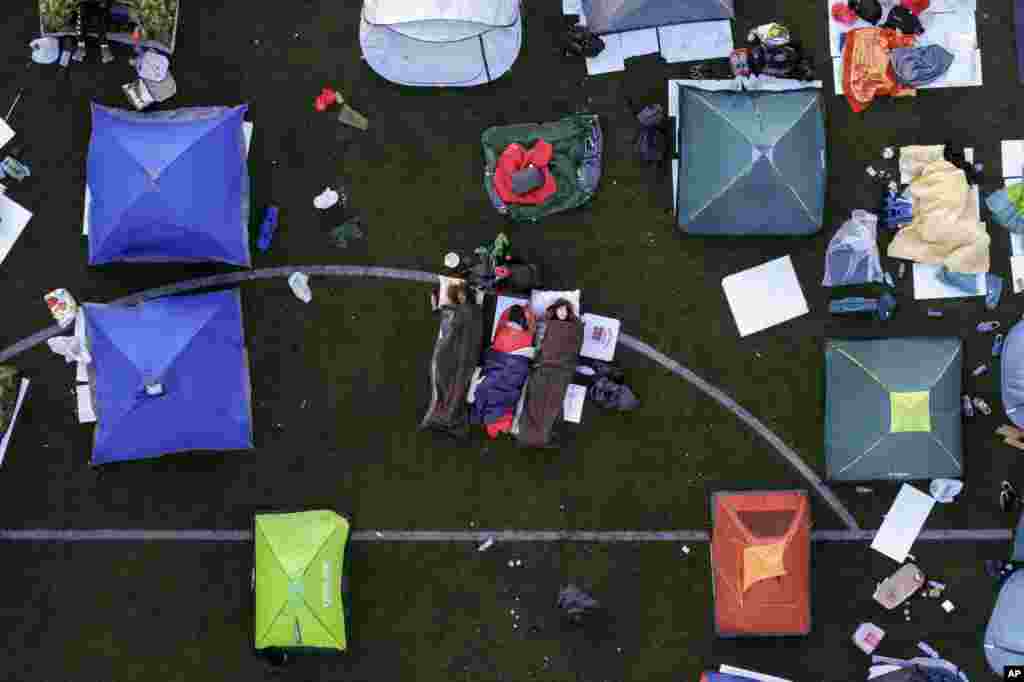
70, 348
980, 369
486, 545
326, 199
899, 586
986, 327
576, 602
863, 490
945, 490
935, 313
62, 306
997, 345
867, 637
299, 282
888, 153
10, 167
995, 290
871, 171
968, 406
267, 228
350, 229
982, 406
948, 606
902, 270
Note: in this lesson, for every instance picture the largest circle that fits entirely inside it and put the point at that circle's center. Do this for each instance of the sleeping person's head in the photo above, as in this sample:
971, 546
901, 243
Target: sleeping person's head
561, 310
457, 293
517, 315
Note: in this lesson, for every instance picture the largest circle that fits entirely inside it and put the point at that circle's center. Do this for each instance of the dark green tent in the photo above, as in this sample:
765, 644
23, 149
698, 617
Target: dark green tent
892, 408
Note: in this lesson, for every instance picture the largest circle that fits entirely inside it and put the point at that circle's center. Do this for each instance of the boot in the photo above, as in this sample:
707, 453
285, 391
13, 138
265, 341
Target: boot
106, 56
79, 54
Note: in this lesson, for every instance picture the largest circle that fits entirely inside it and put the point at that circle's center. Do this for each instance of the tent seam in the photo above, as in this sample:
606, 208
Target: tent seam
959, 466
856, 362
270, 546
725, 188
864, 454
948, 363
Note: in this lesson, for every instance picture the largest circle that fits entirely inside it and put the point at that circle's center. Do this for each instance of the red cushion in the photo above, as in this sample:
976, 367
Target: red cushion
516, 158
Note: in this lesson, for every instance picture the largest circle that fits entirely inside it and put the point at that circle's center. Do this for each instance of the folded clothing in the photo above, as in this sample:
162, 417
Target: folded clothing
867, 71
917, 66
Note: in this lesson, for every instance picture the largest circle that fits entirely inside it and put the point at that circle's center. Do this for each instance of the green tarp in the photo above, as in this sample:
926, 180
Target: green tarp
299, 563
575, 165
892, 408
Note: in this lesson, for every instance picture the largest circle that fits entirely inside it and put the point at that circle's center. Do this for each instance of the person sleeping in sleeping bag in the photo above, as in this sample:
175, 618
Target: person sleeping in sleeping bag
506, 368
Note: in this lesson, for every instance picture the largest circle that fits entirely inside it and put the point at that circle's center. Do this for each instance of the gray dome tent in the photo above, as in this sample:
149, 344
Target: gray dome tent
1004, 636
440, 43
614, 16
750, 162
892, 408
1013, 375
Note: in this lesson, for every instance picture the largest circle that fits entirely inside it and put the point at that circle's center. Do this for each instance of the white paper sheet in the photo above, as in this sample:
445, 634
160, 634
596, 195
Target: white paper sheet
903, 523
572, 406
1013, 158
572, 7
86, 413
600, 336
81, 369
13, 219
765, 296
733, 670
6, 133
1016, 244
248, 128
928, 286
6, 439
639, 43
697, 41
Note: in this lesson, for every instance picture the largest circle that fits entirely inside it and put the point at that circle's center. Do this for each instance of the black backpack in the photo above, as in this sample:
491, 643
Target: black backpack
582, 43
868, 10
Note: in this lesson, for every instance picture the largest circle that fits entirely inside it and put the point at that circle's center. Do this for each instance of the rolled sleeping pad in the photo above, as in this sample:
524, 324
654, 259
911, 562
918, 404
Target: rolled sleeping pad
1012, 387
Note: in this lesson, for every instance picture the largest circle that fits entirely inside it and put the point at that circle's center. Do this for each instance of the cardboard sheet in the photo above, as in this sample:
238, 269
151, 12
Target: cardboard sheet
903, 523
6, 133
5, 440
13, 219
86, 412
697, 41
928, 286
1012, 158
247, 131
572, 406
600, 336
765, 296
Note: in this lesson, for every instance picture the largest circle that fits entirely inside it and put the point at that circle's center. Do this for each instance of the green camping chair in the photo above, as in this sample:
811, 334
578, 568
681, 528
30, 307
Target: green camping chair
297, 579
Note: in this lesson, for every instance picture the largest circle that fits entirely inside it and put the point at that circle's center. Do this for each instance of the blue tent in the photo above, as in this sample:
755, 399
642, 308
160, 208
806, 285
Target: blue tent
169, 375
170, 186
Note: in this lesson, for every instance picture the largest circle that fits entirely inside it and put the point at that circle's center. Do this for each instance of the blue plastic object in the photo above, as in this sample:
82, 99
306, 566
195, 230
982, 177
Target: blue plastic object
997, 345
268, 228
995, 290
882, 307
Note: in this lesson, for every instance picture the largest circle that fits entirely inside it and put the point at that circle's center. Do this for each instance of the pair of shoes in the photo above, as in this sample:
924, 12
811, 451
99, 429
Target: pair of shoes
1008, 497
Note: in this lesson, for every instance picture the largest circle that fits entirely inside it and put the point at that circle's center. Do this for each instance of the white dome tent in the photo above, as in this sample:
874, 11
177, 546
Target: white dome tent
440, 43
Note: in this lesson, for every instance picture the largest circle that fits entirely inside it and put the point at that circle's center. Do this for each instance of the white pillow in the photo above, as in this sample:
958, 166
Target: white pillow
444, 283
540, 300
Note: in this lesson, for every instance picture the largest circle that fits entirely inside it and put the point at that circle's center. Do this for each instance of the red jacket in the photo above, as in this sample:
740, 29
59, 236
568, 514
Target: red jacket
515, 158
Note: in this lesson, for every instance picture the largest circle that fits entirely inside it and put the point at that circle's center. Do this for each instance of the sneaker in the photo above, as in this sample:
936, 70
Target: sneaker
1008, 497
105, 54
79, 54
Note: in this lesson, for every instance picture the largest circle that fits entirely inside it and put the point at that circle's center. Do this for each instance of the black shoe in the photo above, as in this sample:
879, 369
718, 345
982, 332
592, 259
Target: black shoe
1008, 497
79, 54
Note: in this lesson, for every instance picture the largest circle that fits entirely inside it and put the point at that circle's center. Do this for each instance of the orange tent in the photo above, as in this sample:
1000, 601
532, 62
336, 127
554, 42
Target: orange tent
761, 563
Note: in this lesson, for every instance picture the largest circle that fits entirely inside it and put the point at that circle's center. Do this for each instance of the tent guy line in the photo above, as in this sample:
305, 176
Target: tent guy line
599, 537
631, 342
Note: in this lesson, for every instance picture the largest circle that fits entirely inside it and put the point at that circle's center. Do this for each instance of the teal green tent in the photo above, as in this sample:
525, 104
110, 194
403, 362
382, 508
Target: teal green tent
298, 574
892, 408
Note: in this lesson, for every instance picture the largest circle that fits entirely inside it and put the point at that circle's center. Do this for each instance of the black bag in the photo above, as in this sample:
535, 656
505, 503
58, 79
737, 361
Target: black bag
868, 10
651, 142
582, 43
904, 21
785, 61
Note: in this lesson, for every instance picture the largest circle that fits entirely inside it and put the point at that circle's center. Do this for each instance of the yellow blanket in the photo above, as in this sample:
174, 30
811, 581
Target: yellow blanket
945, 229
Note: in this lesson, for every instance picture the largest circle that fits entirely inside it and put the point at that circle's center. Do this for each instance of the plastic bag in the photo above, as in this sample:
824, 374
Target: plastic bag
852, 255
944, 490
70, 348
299, 282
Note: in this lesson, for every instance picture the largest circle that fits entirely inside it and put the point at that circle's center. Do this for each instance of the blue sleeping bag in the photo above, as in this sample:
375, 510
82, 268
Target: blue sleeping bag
504, 377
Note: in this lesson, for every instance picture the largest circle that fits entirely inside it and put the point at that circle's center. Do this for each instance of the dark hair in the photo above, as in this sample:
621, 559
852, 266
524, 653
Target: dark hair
516, 314
457, 293
552, 311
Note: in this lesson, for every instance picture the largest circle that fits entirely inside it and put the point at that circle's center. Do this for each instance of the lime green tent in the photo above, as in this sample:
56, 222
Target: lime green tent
298, 573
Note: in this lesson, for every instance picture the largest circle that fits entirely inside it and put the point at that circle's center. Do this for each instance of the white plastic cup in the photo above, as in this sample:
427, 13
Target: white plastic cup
451, 260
